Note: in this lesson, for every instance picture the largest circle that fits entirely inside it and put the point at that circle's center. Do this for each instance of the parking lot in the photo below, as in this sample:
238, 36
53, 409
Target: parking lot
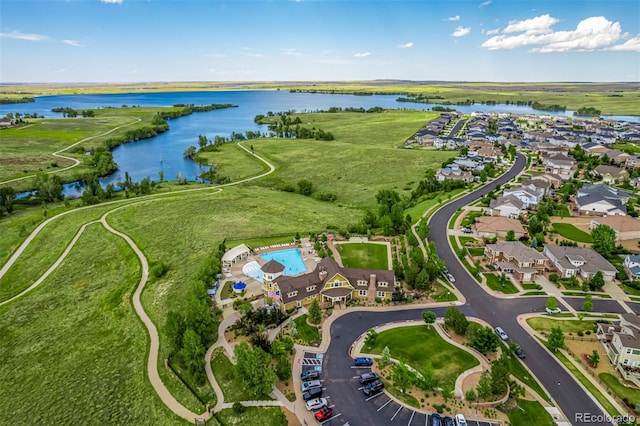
313, 361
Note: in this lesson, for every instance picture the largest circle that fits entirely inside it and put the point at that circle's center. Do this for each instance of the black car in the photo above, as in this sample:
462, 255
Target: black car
448, 421
309, 375
520, 353
312, 393
368, 378
436, 420
373, 388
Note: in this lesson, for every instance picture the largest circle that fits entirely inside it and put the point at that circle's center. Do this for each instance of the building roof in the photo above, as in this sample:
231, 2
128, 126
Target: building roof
588, 199
614, 171
233, 253
594, 262
517, 250
495, 224
272, 267
619, 223
505, 201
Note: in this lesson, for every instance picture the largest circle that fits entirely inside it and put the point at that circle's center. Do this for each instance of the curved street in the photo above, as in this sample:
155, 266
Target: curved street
567, 394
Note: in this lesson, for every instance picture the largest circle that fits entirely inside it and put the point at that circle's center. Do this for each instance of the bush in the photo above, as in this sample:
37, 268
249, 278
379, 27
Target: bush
158, 269
378, 300
470, 395
238, 408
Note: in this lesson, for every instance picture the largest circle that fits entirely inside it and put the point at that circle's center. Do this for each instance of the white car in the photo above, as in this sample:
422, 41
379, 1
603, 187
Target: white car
502, 334
553, 311
316, 403
451, 278
460, 421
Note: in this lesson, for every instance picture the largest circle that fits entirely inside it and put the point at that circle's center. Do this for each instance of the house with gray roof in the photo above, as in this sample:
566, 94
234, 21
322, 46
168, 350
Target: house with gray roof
632, 265
522, 261
581, 262
621, 341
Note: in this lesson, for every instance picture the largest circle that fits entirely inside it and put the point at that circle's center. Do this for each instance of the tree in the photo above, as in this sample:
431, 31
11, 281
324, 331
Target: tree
556, 339
161, 175
456, 320
552, 303
597, 282
175, 327
293, 328
511, 235
253, 367
49, 187
190, 152
594, 358
7, 197
500, 375
484, 388
485, 340
192, 353
604, 240
371, 337
402, 376
315, 314
429, 317
587, 305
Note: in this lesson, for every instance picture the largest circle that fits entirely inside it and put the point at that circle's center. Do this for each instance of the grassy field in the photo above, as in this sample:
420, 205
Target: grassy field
422, 348
254, 416
75, 348
572, 233
307, 333
494, 284
544, 325
572, 95
363, 255
530, 413
614, 383
28, 149
232, 387
234, 162
519, 371
363, 159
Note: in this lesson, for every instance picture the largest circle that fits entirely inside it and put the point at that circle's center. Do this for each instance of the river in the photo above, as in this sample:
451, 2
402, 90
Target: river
164, 152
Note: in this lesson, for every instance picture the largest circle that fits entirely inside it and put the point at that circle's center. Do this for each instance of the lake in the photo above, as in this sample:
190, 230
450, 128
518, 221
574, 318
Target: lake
164, 152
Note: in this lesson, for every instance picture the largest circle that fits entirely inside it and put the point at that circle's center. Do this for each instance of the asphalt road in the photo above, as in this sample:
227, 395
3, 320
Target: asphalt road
341, 386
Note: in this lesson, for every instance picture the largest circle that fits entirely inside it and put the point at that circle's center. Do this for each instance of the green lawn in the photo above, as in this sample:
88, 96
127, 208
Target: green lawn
629, 393
364, 255
572, 233
307, 333
75, 348
465, 240
254, 416
544, 325
476, 251
232, 387
443, 294
530, 413
494, 284
419, 209
519, 371
422, 348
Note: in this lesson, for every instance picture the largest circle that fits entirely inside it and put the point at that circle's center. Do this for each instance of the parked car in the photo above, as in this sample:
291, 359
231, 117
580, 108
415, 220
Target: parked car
436, 420
520, 353
553, 311
373, 388
316, 404
305, 386
310, 375
363, 362
368, 377
501, 333
312, 393
324, 414
460, 421
451, 278
467, 230
448, 421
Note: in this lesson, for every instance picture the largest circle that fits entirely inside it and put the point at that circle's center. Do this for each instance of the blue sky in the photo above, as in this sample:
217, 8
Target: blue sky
280, 40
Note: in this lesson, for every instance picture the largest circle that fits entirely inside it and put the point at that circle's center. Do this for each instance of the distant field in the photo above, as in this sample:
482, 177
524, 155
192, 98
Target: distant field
363, 255
610, 98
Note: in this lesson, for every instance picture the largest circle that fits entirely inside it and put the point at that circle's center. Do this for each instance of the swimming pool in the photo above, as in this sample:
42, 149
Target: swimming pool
291, 259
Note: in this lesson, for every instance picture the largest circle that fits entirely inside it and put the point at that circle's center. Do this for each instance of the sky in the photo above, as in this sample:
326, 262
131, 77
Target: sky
65, 41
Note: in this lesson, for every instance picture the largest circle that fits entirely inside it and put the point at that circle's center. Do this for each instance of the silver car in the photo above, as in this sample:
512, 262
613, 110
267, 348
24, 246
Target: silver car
316, 404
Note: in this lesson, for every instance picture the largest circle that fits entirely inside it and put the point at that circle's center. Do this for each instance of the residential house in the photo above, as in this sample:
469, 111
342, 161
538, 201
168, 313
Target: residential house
617, 156
328, 283
540, 187
611, 174
626, 227
632, 265
507, 206
453, 174
560, 164
592, 148
523, 262
498, 227
621, 341
601, 200
633, 162
579, 261
529, 198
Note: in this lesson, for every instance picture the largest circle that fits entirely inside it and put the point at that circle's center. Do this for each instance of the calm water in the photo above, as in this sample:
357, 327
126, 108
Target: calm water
164, 152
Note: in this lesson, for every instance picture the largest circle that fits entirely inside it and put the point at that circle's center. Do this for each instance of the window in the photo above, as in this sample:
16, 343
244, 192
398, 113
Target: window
292, 294
336, 284
309, 297
311, 288
383, 284
362, 292
635, 352
298, 304
362, 282
628, 351
625, 362
380, 293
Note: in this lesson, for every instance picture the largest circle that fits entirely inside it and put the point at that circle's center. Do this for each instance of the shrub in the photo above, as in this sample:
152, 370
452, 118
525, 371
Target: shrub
238, 408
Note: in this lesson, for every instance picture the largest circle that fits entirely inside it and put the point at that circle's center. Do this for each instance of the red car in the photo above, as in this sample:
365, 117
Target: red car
324, 414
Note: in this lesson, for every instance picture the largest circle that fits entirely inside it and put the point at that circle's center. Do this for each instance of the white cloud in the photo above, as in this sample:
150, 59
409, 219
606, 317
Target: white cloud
405, 45
493, 32
461, 31
485, 4
453, 18
632, 45
590, 34
362, 54
112, 1
73, 43
254, 55
22, 36
291, 51
538, 25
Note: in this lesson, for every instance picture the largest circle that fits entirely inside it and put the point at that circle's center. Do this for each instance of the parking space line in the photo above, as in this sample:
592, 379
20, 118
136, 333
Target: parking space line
385, 404
361, 366
413, 413
361, 387
331, 418
374, 396
426, 420
396, 413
